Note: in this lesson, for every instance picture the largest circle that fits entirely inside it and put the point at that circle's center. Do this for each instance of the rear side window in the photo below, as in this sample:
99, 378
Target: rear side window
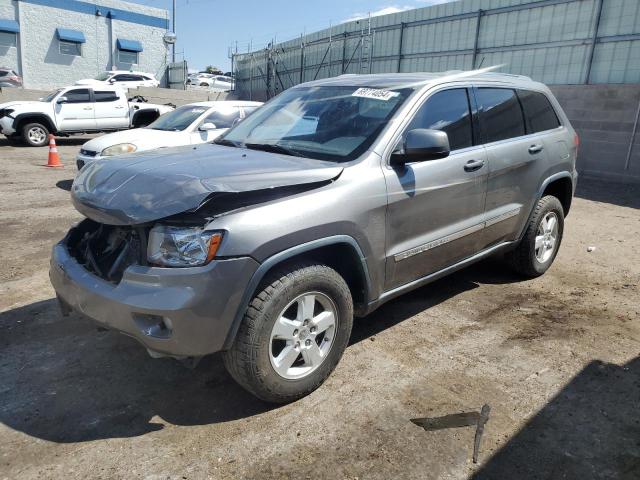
538, 111
80, 95
447, 111
500, 114
108, 96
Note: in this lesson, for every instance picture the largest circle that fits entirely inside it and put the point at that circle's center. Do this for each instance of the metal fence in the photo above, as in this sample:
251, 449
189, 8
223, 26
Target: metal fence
177, 75
554, 41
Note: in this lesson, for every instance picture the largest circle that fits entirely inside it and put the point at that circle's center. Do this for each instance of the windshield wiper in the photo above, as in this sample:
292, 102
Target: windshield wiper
227, 143
274, 148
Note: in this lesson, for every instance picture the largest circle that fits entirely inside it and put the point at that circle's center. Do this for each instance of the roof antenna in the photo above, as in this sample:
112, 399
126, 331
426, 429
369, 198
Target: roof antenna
481, 62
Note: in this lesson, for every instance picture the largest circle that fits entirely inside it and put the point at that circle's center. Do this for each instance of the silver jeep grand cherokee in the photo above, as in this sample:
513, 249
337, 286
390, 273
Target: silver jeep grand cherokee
331, 199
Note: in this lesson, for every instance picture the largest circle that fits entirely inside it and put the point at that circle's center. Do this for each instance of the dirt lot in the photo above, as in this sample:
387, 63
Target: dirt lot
557, 359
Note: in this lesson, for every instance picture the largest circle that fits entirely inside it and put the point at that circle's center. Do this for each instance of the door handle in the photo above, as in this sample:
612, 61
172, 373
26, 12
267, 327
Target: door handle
119, 108
473, 165
533, 149
88, 108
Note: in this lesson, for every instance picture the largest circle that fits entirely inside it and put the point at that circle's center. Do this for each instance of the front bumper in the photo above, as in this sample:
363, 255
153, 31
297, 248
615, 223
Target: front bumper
82, 160
6, 126
173, 311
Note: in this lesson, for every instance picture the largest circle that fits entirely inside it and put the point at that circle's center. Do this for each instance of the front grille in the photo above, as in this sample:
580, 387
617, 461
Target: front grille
88, 153
107, 250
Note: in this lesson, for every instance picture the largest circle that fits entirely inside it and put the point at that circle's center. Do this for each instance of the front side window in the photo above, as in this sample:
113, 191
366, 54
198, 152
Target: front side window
500, 114
79, 95
127, 56
224, 118
538, 112
70, 48
106, 96
447, 111
327, 122
178, 119
8, 39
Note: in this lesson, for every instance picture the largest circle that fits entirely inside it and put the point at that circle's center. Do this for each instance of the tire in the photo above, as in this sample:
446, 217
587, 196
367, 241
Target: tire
35, 134
526, 259
258, 346
203, 84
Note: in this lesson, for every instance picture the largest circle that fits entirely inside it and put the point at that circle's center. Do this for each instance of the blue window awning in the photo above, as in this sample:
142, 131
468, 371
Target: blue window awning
70, 35
129, 45
10, 26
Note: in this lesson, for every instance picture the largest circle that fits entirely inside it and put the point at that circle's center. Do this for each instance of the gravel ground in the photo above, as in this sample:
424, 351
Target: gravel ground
556, 358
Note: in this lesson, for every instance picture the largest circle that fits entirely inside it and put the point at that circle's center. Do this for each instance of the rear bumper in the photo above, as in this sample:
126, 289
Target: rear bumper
174, 311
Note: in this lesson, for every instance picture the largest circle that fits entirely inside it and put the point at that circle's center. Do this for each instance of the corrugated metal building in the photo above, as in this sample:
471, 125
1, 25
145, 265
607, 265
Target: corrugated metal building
585, 49
53, 43
554, 41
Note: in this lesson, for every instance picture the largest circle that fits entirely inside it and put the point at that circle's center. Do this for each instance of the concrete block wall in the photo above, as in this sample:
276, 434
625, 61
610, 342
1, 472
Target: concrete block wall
37, 58
604, 117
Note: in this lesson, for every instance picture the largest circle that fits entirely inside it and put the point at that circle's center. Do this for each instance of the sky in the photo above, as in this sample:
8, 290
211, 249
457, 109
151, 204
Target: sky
207, 28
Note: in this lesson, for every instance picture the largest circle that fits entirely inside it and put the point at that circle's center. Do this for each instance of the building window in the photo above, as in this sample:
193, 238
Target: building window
8, 39
127, 56
70, 48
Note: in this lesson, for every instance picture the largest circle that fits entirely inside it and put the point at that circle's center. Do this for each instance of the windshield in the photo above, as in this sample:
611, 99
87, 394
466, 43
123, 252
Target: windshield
103, 76
51, 96
328, 123
178, 119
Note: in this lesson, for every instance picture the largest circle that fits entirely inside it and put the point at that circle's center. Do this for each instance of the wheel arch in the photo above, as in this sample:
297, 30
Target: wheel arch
561, 188
340, 252
24, 118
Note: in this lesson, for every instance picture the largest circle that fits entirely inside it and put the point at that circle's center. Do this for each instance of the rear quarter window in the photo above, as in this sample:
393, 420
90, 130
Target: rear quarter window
538, 111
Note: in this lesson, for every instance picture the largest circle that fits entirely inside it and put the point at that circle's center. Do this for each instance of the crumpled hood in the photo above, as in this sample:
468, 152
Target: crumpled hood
147, 186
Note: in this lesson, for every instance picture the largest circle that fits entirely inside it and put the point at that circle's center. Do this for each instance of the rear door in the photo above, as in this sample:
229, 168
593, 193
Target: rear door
111, 109
77, 112
435, 209
517, 160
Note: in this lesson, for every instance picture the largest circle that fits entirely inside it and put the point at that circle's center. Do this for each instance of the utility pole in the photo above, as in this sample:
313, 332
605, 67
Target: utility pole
173, 49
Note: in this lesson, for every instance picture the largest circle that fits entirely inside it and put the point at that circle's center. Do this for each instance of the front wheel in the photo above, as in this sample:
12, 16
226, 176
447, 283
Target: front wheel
293, 334
541, 241
35, 134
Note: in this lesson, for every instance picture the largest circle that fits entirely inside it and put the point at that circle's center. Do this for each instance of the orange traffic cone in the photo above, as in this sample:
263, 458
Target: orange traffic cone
54, 158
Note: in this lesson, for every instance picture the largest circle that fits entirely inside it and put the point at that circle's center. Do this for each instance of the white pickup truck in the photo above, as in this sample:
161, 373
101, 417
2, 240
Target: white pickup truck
77, 109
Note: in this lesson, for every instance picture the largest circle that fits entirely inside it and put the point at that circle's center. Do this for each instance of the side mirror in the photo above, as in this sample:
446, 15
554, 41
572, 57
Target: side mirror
420, 145
62, 99
205, 127
112, 81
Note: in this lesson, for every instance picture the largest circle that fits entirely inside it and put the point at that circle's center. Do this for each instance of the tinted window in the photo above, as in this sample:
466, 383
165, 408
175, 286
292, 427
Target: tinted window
224, 118
80, 95
105, 96
447, 111
70, 48
500, 114
126, 78
538, 111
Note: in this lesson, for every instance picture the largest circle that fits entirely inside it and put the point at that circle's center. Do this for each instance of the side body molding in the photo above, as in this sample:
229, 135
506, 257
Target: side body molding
285, 255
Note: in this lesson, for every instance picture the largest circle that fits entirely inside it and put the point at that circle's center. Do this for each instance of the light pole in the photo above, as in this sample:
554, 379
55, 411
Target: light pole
173, 50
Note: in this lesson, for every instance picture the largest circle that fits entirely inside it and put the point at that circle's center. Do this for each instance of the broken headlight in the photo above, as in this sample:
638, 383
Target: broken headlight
182, 246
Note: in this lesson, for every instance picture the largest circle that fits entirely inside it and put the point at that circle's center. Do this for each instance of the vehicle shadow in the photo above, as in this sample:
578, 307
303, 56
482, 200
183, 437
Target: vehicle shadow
490, 271
590, 429
63, 381
621, 194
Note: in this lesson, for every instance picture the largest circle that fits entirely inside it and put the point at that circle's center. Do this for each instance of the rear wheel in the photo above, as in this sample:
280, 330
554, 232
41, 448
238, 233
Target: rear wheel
293, 334
539, 246
35, 134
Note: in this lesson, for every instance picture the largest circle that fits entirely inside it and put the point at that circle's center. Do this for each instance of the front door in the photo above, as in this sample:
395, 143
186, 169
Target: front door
435, 212
77, 111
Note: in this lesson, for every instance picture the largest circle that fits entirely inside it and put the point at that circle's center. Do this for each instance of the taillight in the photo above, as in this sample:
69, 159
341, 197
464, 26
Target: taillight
576, 140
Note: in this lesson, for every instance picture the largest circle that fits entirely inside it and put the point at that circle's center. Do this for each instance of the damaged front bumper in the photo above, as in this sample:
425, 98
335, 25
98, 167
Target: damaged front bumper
181, 312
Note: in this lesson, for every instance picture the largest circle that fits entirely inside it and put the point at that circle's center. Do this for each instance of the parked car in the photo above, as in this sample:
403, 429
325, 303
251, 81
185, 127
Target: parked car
72, 110
122, 78
264, 245
187, 125
9, 78
219, 82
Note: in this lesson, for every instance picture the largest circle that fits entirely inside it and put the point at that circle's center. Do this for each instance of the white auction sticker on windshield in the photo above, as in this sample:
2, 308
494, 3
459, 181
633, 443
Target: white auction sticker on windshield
375, 93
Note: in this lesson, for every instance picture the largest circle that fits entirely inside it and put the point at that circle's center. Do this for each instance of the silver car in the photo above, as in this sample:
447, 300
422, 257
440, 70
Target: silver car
329, 200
